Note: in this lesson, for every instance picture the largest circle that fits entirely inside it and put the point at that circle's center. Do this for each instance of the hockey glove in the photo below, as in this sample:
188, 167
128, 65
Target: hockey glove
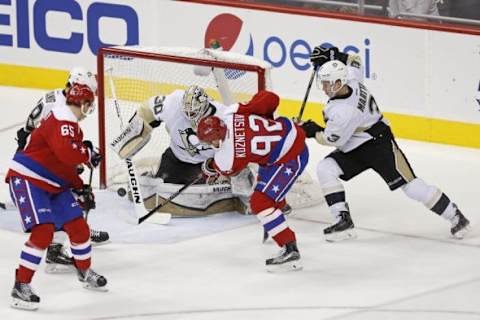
80, 169
22, 136
209, 172
320, 55
95, 156
311, 128
85, 197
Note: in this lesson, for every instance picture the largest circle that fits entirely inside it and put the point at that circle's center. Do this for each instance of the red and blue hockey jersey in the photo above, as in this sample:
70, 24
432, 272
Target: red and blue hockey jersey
253, 136
50, 158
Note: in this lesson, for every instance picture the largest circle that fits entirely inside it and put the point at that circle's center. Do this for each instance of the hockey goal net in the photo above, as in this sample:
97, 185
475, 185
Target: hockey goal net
138, 73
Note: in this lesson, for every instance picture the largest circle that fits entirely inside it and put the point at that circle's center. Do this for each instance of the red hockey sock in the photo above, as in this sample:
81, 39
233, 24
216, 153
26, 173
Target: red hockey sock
284, 237
79, 234
32, 253
23, 274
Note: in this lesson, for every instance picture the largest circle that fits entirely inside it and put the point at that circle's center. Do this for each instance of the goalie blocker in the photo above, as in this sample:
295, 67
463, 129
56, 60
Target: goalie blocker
132, 138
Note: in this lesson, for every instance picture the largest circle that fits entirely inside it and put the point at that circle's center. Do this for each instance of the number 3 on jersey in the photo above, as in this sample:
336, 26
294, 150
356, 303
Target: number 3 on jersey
262, 144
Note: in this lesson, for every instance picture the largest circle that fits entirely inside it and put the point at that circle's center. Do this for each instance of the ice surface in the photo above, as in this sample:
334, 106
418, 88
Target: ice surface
404, 265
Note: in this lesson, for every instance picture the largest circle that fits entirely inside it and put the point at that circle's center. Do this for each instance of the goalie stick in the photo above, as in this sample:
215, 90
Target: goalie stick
169, 199
302, 108
141, 213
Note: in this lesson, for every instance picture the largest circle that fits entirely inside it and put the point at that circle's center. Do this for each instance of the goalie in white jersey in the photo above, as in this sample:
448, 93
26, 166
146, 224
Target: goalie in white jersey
181, 162
181, 111
363, 140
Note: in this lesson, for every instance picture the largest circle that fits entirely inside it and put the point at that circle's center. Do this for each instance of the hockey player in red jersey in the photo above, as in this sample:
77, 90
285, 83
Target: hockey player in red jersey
42, 178
247, 133
58, 257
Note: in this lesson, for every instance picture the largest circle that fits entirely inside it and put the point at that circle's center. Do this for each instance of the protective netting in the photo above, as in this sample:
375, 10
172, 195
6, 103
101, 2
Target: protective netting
138, 73
137, 78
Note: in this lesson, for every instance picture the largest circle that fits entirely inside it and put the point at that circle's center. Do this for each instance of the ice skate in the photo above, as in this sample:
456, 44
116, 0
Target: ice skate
343, 229
288, 259
99, 238
58, 260
460, 225
23, 297
92, 280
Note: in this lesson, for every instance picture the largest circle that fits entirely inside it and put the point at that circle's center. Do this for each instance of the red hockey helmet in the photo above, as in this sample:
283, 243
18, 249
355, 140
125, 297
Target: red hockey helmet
211, 128
79, 94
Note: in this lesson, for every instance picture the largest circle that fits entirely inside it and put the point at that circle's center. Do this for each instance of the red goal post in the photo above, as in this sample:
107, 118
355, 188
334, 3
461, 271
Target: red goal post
139, 73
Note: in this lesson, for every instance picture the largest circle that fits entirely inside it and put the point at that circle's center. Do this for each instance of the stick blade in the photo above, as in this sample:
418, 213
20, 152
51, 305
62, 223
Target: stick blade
158, 218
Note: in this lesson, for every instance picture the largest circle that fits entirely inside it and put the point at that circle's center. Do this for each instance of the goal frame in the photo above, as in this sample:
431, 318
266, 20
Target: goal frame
261, 85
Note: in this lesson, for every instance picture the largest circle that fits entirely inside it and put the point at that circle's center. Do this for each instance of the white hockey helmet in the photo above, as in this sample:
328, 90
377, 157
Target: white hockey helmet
195, 104
83, 76
329, 73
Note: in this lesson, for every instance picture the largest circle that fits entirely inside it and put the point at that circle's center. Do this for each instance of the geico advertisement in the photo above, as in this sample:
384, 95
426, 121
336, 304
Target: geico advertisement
410, 71
57, 34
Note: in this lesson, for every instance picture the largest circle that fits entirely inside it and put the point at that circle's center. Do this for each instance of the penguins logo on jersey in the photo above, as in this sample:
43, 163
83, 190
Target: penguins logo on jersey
191, 143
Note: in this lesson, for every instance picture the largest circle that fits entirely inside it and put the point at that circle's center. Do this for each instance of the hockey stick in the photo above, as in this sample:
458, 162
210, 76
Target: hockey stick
302, 108
133, 181
90, 188
169, 199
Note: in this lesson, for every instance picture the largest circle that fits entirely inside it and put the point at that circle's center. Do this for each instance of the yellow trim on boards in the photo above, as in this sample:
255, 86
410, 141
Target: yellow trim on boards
32, 77
404, 126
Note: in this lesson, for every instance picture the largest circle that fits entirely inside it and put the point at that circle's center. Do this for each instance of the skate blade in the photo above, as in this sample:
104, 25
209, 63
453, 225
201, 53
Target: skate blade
54, 268
284, 267
461, 233
98, 244
341, 236
23, 305
92, 288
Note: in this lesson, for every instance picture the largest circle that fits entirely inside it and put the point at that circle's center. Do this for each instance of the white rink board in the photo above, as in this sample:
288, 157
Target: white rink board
412, 71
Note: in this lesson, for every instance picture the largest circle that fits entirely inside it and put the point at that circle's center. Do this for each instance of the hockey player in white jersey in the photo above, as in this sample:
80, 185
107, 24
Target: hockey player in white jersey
58, 258
363, 140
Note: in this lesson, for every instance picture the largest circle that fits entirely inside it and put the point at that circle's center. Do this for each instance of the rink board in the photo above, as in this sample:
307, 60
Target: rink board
424, 80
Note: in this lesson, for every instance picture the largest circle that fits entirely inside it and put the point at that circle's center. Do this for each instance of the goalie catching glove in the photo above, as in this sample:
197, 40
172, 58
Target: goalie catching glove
133, 138
210, 174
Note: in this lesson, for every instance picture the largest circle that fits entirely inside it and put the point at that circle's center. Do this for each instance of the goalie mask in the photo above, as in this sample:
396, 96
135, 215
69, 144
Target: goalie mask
195, 104
328, 76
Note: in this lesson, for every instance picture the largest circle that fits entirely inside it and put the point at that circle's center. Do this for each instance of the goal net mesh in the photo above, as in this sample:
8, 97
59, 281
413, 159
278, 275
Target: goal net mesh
134, 74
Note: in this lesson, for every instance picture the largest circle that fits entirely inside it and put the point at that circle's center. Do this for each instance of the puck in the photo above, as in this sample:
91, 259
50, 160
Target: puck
121, 192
